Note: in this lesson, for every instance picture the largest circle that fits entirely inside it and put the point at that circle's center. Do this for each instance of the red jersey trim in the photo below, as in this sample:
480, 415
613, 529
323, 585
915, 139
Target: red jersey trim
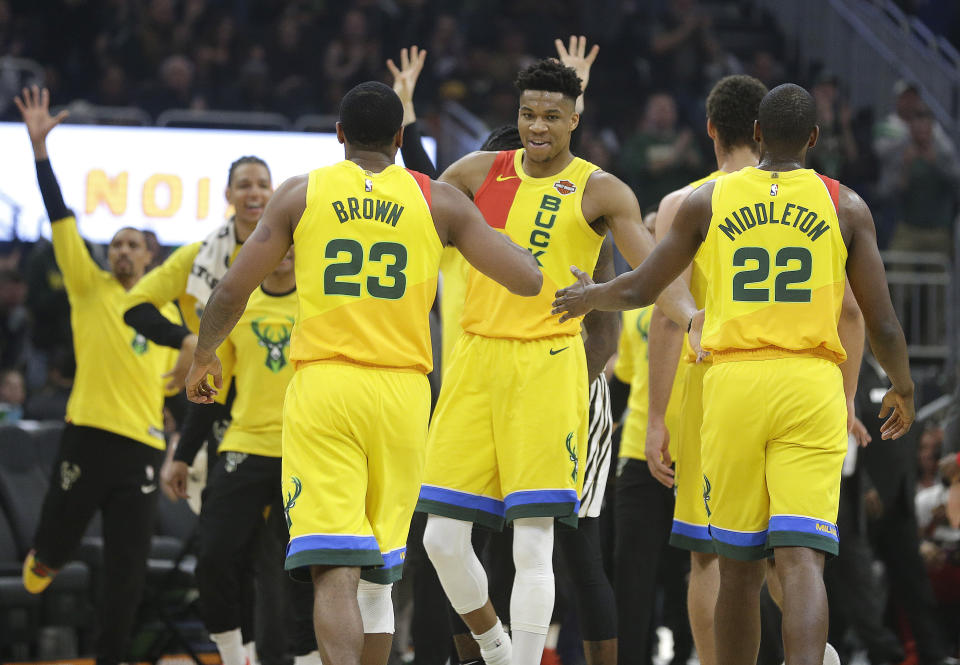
423, 181
495, 196
833, 186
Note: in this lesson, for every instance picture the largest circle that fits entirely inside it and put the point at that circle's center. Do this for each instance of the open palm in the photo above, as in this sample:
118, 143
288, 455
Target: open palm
35, 108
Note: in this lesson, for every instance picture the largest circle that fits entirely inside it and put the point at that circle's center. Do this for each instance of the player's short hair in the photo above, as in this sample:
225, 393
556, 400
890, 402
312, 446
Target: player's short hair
786, 117
371, 114
246, 159
732, 107
506, 137
551, 76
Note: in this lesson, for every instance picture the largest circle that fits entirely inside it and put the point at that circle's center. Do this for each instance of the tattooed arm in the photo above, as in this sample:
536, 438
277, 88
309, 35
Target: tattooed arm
259, 255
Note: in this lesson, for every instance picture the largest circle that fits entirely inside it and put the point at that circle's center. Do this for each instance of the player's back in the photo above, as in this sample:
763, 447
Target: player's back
367, 259
774, 259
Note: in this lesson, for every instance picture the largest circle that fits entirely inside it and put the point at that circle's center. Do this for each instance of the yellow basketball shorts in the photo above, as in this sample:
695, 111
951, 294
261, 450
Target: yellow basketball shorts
774, 437
690, 530
353, 449
509, 431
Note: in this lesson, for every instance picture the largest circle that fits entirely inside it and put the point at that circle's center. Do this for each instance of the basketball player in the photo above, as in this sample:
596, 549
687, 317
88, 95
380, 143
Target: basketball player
187, 276
368, 235
514, 455
731, 112
774, 379
244, 483
111, 447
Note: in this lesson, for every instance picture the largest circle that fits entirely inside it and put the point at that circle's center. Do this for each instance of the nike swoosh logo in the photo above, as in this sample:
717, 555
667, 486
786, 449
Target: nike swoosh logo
146, 489
500, 178
554, 352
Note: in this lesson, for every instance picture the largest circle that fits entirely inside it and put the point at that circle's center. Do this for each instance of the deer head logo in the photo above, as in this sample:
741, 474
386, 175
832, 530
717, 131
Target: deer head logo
275, 343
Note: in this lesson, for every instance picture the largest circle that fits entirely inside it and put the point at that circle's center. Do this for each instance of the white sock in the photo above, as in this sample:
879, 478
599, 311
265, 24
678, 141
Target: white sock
553, 636
528, 647
830, 655
495, 645
230, 645
312, 658
251, 649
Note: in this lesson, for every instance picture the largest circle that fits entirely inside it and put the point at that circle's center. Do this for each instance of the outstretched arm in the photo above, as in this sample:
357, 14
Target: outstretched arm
260, 254
641, 286
461, 224
868, 280
610, 198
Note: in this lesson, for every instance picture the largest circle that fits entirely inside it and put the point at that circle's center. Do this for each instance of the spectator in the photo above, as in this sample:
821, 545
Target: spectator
14, 321
768, 69
47, 299
50, 402
175, 90
660, 157
922, 175
928, 456
112, 86
681, 42
894, 129
13, 393
351, 58
836, 147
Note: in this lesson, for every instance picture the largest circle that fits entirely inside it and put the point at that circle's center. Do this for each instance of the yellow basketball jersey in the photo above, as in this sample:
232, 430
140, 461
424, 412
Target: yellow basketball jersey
454, 270
544, 215
633, 368
775, 261
367, 260
698, 281
256, 355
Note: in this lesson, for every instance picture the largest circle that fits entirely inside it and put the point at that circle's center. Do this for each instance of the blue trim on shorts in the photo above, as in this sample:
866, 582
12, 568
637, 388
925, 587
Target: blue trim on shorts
800, 524
462, 499
739, 538
318, 541
524, 497
688, 530
394, 558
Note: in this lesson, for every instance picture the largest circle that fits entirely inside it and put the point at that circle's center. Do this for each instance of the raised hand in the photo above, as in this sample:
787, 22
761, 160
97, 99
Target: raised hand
576, 56
34, 107
405, 78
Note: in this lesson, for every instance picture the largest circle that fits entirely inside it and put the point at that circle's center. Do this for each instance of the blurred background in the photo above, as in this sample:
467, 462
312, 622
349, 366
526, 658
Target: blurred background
170, 92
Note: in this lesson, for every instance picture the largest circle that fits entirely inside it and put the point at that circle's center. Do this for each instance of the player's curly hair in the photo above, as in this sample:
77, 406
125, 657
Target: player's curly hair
551, 76
732, 106
246, 159
506, 137
371, 114
786, 117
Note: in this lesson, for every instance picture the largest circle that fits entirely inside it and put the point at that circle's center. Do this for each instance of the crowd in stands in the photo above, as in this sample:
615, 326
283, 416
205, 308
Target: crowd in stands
644, 122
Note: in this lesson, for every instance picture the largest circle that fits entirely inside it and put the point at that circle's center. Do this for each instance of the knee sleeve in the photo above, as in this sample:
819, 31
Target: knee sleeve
376, 607
533, 592
447, 542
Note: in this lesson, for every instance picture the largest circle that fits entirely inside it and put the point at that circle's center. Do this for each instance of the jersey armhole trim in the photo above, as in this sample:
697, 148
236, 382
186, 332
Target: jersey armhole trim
502, 165
833, 188
423, 181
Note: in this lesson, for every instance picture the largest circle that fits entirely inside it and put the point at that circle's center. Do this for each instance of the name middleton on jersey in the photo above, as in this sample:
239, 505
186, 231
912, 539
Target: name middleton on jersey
796, 216
367, 208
